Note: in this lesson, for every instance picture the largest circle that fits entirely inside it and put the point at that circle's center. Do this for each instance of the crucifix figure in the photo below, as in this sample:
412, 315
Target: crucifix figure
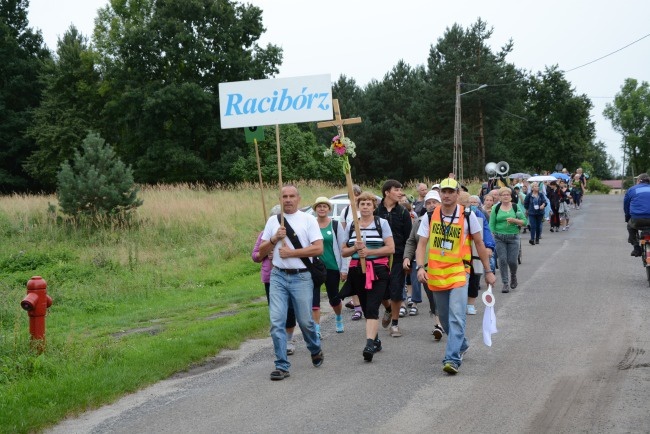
338, 122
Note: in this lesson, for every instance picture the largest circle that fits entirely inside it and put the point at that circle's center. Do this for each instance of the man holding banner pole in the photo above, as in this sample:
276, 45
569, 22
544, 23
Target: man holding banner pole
291, 280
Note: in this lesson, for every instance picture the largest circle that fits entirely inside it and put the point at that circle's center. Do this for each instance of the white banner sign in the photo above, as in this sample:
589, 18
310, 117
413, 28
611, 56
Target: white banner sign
275, 101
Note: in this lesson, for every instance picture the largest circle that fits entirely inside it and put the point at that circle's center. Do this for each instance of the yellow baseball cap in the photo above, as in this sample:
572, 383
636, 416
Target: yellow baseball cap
449, 183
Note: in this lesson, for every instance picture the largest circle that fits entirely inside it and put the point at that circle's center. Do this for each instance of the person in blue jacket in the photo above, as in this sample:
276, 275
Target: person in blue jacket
636, 206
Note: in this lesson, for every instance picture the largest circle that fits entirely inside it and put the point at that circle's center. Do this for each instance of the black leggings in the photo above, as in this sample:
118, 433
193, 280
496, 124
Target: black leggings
332, 287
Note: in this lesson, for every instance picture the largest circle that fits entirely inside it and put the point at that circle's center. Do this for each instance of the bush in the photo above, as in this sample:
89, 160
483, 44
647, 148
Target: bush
98, 185
595, 185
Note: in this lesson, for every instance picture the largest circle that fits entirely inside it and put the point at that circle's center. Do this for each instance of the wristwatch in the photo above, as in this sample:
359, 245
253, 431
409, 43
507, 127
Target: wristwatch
419, 267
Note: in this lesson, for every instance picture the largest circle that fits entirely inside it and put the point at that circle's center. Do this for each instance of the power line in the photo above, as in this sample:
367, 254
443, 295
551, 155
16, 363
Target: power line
607, 55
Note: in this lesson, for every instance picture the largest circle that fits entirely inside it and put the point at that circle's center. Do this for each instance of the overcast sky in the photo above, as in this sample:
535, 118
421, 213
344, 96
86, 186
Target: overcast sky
365, 39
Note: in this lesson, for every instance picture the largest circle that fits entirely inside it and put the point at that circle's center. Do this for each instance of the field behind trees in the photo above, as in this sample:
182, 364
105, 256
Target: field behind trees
132, 305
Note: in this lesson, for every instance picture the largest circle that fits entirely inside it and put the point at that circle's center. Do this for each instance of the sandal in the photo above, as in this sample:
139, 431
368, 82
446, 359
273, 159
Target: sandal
402, 312
279, 374
357, 315
409, 302
413, 311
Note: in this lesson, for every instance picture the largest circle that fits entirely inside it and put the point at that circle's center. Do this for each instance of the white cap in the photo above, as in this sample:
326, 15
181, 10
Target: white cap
433, 194
435, 186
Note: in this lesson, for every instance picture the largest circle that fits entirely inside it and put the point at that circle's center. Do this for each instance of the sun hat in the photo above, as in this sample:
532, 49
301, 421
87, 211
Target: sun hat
321, 199
432, 194
449, 183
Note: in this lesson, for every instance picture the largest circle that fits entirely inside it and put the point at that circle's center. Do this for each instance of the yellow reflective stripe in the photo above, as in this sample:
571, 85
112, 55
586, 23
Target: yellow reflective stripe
458, 268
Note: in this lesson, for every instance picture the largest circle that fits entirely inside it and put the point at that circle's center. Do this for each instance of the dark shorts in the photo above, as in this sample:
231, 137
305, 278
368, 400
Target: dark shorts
370, 299
395, 289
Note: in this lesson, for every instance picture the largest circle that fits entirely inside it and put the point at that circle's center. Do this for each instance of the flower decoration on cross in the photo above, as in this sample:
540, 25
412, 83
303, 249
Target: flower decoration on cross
344, 148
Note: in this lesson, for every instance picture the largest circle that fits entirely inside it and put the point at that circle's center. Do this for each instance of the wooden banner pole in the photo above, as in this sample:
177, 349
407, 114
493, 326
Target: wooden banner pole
259, 172
277, 141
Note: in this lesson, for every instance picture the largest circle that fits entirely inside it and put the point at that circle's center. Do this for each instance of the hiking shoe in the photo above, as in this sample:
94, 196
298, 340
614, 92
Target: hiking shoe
532, 242
394, 331
385, 321
450, 368
471, 309
317, 359
291, 348
339, 326
357, 315
377, 345
506, 288
437, 332
513, 281
279, 374
368, 352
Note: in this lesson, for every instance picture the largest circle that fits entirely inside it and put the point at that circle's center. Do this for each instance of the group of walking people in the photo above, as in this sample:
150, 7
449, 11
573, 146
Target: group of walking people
445, 241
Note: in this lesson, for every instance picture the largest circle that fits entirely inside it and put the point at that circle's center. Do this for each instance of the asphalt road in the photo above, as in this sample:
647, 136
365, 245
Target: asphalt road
572, 355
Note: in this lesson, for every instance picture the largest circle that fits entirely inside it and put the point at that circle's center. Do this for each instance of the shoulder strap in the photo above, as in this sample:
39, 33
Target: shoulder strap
293, 237
496, 210
345, 214
335, 227
378, 226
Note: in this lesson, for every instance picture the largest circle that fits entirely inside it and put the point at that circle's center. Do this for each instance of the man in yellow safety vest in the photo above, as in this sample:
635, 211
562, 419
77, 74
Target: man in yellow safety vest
445, 246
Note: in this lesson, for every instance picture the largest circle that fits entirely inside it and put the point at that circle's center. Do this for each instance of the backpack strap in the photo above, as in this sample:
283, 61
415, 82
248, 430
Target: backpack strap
377, 226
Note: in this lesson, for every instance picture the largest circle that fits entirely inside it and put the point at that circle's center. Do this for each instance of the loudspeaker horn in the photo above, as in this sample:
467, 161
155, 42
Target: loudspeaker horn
502, 168
491, 168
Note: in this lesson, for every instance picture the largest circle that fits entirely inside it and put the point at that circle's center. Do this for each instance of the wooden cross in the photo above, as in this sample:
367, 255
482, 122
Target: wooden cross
338, 122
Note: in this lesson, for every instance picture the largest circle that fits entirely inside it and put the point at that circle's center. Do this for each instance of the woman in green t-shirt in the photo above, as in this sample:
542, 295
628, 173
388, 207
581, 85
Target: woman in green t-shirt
336, 265
506, 221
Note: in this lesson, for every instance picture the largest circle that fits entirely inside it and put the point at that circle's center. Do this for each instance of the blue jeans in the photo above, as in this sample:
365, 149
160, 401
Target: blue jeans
298, 290
452, 308
535, 222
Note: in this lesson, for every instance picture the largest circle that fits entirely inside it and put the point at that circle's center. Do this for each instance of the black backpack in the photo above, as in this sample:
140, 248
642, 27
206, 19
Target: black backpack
498, 207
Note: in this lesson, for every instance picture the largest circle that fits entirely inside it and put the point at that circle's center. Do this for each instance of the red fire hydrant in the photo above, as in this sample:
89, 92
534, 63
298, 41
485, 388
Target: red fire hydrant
36, 303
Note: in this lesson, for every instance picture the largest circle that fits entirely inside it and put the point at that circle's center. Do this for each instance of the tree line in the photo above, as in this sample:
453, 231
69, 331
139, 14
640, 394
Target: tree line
147, 80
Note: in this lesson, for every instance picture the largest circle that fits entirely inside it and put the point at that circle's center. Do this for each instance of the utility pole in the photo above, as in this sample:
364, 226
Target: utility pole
458, 139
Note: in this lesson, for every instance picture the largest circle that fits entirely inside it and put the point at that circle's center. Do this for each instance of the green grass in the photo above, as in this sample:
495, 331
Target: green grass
133, 305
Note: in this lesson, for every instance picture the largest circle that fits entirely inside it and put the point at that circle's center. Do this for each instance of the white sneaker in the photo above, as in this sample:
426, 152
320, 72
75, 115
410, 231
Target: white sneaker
291, 348
471, 309
563, 229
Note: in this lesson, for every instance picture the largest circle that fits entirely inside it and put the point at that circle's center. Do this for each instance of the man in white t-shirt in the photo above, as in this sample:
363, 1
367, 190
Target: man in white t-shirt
291, 280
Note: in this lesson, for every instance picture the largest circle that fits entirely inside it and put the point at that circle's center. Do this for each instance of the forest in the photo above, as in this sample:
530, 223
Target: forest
146, 81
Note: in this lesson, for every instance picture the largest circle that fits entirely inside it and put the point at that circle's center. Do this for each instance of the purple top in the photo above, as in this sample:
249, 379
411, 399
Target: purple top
266, 262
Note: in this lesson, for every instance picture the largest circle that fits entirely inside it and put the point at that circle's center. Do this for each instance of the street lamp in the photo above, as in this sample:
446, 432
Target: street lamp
458, 139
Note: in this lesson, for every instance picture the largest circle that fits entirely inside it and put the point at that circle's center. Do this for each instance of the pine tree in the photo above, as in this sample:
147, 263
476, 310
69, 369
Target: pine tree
97, 184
